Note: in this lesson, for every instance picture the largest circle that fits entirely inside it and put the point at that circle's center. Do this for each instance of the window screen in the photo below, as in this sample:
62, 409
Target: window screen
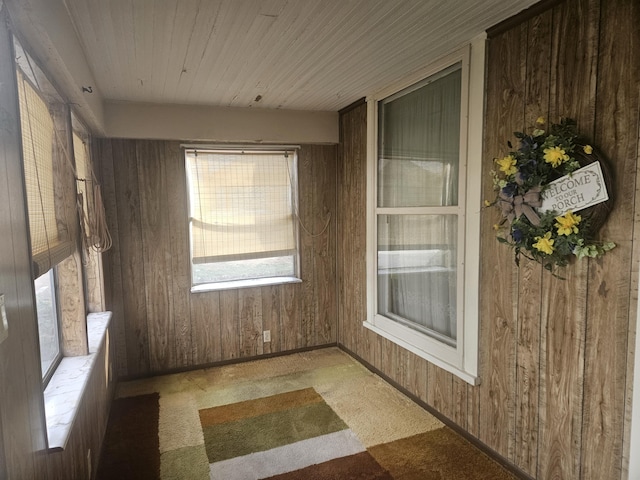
242, 210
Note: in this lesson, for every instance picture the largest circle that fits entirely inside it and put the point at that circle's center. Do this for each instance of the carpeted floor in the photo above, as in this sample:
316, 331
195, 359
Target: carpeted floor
315, 416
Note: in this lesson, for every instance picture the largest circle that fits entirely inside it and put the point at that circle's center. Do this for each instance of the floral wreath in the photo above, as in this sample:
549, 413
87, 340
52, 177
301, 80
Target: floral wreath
550, 238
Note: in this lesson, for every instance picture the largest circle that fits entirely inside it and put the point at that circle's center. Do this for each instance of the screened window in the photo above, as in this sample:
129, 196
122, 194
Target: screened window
421, 261
242, 216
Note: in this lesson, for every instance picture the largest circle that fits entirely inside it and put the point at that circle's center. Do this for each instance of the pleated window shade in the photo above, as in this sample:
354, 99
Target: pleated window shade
241, 205
50, 240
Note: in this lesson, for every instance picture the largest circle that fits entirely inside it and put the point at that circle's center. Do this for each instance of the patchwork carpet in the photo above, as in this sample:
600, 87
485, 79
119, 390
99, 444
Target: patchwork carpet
314, 416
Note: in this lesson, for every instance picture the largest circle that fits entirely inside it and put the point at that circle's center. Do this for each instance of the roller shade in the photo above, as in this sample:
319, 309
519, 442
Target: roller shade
241, 204
49, 230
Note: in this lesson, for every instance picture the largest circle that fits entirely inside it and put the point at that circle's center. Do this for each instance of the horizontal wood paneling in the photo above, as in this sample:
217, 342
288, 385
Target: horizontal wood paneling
165, 326
554, 354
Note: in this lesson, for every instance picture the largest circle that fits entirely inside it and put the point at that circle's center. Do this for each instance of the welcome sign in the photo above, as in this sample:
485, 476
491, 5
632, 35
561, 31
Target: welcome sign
579, 190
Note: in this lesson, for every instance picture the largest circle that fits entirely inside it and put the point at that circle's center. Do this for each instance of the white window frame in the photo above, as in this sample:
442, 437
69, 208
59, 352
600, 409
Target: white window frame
250, 282
461, 360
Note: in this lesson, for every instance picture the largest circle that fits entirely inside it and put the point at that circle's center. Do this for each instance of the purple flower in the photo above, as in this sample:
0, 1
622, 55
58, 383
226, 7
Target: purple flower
510, 189
516, 233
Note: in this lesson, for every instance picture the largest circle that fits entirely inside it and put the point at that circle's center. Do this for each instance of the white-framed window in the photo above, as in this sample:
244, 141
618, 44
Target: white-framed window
242, 217
423, 204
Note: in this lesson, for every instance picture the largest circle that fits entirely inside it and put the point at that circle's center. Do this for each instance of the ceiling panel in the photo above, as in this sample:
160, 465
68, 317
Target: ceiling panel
290, 54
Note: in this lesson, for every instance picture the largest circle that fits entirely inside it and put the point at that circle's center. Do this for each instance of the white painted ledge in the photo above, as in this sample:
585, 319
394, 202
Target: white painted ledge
63, 395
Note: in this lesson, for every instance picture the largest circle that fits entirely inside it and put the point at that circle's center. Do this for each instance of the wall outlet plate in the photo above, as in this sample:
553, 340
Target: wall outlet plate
266, 336
4, 325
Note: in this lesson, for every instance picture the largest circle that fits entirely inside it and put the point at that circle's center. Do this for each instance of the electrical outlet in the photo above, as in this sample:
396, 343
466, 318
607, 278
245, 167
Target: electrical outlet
266, 336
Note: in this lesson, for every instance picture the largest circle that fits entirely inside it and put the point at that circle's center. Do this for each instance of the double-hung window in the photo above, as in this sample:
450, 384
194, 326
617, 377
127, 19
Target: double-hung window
421, 246
242, 211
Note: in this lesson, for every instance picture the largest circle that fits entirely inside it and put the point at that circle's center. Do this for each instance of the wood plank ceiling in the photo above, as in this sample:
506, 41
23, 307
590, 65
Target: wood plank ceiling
289, 54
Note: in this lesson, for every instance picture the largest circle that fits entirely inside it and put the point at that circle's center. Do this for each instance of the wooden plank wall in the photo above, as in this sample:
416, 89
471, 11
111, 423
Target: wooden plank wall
166, 327
555, 354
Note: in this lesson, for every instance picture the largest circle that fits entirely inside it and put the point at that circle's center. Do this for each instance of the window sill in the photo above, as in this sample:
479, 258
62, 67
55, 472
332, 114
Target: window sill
63, 395
257, 282
468, 377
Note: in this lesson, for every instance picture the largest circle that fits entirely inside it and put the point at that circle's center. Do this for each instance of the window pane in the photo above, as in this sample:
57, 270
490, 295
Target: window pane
243, 270
417, 257
419, 143
47, 321
242, 215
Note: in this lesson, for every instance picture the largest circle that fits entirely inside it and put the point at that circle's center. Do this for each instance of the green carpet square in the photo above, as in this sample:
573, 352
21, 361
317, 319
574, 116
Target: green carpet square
187, 463
263, 432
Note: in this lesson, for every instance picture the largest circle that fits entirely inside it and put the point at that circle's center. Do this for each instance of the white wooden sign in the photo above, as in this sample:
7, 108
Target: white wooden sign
579, 190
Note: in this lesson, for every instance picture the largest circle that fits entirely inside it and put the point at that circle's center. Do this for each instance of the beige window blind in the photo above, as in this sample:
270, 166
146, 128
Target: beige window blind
50, 240
83, 181
241, 205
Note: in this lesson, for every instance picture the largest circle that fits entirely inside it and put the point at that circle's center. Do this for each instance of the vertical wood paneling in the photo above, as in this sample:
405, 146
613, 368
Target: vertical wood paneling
154, 208
459, 401
416, 376
168, 327
250, 315
440, 391
271, 318
179, 238
290, 316
324, 241
229, 316
609, 313
564, 301
306, 205
131, 257
498, 287
352, 180
205, 340
102, 153
530, 273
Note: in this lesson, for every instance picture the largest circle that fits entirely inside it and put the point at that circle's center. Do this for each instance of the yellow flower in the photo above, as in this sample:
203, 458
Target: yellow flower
555, 156
588, 149
496, 226
540, 121
544, 244
507, 165
487, 203
567, 223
